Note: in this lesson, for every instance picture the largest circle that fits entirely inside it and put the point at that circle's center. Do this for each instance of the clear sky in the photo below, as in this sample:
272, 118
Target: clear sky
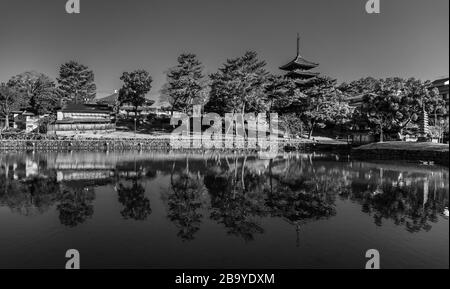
408, 38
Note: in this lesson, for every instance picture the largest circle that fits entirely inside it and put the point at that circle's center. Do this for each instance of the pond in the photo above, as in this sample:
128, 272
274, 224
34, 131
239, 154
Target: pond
173, 210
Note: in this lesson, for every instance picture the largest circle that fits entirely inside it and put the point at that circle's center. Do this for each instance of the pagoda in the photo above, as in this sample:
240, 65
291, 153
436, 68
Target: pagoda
299, 68
424, 129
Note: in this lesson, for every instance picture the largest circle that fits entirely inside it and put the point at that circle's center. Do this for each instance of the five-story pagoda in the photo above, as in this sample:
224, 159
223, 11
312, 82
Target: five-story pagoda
299, 68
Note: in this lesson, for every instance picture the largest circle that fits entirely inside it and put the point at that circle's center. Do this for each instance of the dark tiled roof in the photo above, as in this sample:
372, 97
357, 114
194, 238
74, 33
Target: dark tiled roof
86, 108
301, 74
110, 99
299, 63
440, 81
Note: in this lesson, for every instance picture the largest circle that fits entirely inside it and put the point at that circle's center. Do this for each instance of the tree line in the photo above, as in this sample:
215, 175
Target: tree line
39, 94
241, 85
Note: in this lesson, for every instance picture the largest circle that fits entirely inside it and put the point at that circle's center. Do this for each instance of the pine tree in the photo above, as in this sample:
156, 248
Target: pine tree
239, 86
185, 84
136, 85
76, 81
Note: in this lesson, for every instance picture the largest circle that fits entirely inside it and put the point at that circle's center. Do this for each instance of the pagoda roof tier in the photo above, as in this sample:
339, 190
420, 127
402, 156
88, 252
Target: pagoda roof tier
304, 81
299, 63
301, 74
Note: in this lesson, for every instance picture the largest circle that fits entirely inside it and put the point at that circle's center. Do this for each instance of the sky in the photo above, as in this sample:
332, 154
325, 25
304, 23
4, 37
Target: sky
409, 38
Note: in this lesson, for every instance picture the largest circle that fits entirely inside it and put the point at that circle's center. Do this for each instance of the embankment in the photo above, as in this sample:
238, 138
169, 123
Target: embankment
160, 144
412, 151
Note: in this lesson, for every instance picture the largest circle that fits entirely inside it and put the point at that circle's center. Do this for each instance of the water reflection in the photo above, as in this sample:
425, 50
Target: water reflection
408, 206
185, 201
135, 205
237, 192
75, 206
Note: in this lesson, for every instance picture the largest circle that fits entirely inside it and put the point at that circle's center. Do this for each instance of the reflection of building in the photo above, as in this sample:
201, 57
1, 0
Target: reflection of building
83, 175
360, 137
20, 169
31, 168
299, 68
83, 117
87, 166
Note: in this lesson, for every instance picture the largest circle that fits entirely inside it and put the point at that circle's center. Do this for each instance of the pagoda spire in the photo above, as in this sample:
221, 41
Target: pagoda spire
300, 68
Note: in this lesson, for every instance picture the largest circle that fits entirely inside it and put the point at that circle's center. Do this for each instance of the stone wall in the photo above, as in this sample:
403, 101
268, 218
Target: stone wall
150, 144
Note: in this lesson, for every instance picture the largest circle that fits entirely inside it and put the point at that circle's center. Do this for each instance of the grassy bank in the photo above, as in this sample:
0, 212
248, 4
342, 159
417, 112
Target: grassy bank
413, 151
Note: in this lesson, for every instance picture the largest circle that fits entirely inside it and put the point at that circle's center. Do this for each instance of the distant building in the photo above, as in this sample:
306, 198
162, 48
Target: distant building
25, 121
112, 100
299, 68
83, 117
442, 85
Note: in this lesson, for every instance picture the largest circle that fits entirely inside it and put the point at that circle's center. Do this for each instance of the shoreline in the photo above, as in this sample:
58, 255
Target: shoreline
158, 143
407, 151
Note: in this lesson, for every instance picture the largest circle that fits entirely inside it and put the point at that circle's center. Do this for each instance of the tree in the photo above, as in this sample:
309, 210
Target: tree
185, 84
393, 103
9, 100
239, 86
37, 92
321, 103
280, 92
76, 81
291, 124
359, 87
136, 85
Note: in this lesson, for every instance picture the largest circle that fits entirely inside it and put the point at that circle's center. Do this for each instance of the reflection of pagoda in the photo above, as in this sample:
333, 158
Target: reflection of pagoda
298, 69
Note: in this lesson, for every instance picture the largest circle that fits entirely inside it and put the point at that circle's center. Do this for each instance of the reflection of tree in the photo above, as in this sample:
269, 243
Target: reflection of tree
242, 191
136, 204
185, 201
36, 195
406, 205
237, 200
300, 205
75, 206
33, 196
299, 199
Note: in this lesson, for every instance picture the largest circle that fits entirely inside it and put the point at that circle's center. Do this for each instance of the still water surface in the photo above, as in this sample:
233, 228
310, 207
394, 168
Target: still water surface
155, 210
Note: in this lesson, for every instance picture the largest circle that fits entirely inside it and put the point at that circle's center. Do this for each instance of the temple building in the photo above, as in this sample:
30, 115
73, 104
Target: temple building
75, 118
442, 85
299, 69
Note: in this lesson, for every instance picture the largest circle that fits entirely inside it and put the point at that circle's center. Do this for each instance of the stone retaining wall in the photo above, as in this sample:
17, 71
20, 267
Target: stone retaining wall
148, 144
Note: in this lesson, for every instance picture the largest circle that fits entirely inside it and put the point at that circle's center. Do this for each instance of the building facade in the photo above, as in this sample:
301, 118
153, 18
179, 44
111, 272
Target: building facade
77, 118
